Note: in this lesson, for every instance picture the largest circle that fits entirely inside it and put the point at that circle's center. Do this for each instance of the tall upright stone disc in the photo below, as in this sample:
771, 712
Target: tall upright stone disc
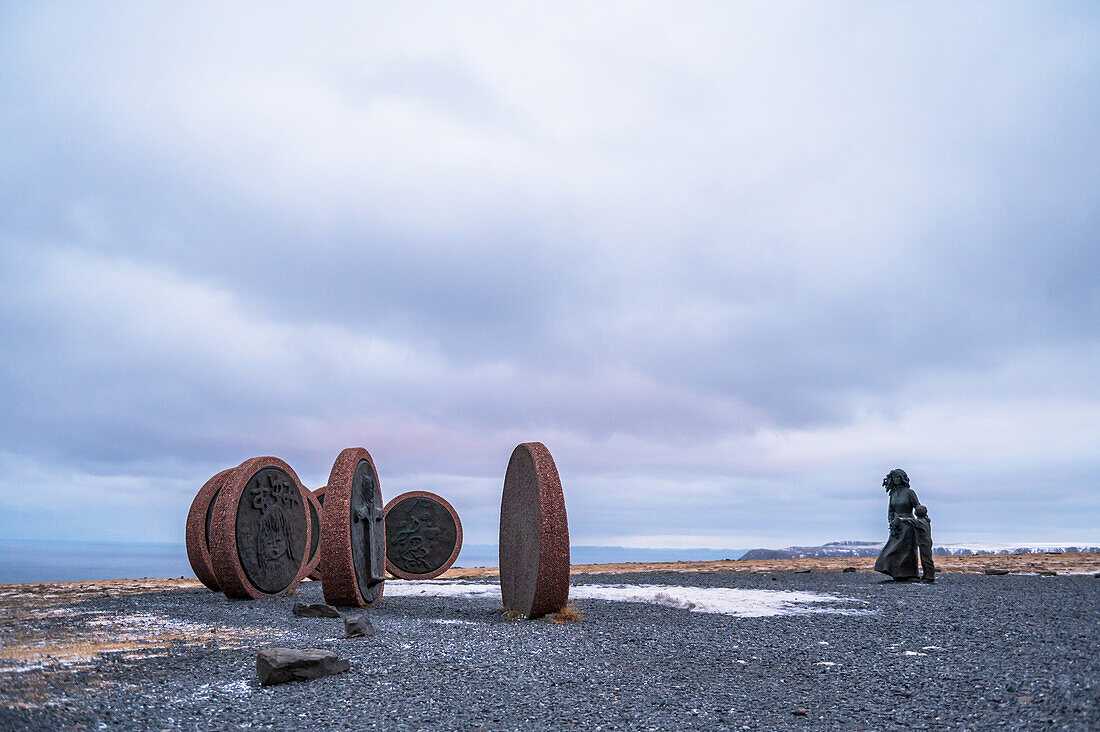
260, 530
198, 529
353, 532
319, 496
314, 555
534, 534
423, 535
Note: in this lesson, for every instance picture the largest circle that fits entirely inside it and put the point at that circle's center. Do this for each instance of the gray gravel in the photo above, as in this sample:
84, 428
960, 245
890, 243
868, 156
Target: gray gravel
1018, 652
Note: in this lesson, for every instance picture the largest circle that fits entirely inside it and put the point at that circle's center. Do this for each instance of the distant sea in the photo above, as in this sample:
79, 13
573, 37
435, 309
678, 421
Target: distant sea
65, 561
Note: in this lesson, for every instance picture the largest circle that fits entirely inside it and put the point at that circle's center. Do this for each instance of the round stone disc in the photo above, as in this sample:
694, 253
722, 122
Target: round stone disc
319, 495
198, 529
314, 534
261, 530
353, 532
423, 535
534, 534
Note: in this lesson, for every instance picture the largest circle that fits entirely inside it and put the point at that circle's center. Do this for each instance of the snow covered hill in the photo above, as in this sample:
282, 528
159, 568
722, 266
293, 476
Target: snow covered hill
872, 548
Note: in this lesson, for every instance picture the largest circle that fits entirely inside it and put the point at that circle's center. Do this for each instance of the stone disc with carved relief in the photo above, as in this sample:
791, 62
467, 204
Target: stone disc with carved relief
319, 497
314, 560
198, 529
353, 532
423, 535
261, 530
534, 534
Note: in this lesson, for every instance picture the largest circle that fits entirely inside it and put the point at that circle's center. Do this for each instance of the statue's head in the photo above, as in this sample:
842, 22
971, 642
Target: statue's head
895, 479
921, 511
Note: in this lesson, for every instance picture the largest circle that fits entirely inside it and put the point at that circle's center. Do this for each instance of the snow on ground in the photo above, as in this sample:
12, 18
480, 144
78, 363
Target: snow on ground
720, 600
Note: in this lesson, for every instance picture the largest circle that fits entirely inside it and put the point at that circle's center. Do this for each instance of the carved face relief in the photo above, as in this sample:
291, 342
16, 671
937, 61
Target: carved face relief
271, 530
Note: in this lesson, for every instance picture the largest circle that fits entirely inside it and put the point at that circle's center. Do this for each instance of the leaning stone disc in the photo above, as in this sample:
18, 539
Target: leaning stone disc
314, 534
198, 529
261, 530
534, 534
353, 532
319, 496
423, 535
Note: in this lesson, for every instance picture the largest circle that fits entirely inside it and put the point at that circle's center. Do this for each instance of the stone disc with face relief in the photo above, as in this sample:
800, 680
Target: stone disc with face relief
534, 534
261, 530
198, 530
423, 535
353, 532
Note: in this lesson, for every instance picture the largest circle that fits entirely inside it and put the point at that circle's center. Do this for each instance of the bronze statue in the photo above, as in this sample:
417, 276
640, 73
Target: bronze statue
899, 557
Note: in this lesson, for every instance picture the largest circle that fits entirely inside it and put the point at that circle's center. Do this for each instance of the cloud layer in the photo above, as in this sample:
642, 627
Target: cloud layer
730, 266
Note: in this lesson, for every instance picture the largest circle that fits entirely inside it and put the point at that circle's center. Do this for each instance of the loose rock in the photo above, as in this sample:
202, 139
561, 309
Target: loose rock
279, 665
848, 569
358, 626
315, 610
996, 571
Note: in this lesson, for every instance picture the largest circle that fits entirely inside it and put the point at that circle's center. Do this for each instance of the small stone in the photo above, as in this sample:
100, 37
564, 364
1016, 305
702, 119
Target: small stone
279, 665
1046, 573
358, 626
315, 610
800, 712
802, 571
1024, 699
996, 571
848, 569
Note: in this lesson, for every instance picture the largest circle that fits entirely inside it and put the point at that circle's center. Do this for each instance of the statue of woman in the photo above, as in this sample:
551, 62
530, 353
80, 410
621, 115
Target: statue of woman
899, 558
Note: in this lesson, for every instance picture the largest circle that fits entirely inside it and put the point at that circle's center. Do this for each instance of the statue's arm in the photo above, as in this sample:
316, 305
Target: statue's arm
890, 514
913, 499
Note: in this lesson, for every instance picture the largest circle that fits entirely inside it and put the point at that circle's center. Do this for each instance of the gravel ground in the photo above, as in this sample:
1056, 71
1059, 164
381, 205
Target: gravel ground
1019, 652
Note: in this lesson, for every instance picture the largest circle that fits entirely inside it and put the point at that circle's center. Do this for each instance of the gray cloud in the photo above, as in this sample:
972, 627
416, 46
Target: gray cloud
722, 263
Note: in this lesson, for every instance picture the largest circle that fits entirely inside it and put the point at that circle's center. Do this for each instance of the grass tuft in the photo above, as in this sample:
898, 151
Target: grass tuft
568, 614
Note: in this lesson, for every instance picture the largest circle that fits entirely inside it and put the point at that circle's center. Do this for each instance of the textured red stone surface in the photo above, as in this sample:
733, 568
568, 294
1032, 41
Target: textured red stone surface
339, 582
228, 571
398, 572
534, 534
319, 496
315, 530
198, 545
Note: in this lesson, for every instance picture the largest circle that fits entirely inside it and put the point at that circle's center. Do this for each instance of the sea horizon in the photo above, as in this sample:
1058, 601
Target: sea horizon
75, 560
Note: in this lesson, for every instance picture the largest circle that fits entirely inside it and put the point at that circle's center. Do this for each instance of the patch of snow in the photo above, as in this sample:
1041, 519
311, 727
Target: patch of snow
824, 663
913, 653
20, 669
237, 688
451, 621
719, 600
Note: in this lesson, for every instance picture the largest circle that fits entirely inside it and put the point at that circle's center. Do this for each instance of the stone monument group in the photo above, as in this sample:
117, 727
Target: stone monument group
255, 530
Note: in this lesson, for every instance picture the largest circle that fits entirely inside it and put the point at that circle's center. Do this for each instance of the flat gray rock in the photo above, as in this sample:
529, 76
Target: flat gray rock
279, 665
358, 626
315, 610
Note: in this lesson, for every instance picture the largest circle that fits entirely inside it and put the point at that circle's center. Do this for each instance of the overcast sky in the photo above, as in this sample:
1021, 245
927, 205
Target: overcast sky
730, 262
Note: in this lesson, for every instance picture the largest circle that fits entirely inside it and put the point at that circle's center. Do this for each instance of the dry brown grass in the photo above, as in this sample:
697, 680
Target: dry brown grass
1062, 563
568, 614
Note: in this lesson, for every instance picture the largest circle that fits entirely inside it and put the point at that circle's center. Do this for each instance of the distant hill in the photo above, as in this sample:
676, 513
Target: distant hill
485, 555
872, 548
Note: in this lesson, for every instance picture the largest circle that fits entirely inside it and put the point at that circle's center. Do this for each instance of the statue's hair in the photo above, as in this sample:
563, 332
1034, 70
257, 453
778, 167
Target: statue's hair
888, 481
275, 521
